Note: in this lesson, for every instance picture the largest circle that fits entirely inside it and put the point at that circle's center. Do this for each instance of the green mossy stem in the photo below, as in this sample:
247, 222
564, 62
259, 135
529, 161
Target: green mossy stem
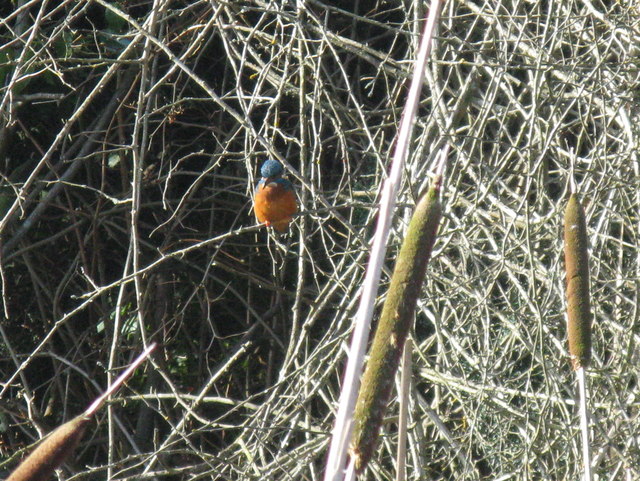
577, 269
51, 452
395, 321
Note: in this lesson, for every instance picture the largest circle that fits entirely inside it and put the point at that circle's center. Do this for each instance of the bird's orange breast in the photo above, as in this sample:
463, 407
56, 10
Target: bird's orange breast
275, 204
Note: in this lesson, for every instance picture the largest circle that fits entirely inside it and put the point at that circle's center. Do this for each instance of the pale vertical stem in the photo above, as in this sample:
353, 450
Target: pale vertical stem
350, 473
584, 423
405, 381
343, 427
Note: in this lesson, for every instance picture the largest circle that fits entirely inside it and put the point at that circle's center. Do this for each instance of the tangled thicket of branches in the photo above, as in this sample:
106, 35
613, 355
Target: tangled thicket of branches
130, 138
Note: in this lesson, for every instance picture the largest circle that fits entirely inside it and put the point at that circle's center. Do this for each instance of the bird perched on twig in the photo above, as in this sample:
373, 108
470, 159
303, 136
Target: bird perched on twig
275, 200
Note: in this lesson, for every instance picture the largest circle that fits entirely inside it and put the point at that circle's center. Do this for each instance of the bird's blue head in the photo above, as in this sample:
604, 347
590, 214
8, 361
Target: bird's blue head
271, 169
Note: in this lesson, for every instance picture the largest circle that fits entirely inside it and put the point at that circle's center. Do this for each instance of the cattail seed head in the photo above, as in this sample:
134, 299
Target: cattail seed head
395, 321
51, 452
577, 269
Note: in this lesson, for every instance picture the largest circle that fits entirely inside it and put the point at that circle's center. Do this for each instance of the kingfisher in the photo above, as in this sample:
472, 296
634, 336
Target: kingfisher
275, 200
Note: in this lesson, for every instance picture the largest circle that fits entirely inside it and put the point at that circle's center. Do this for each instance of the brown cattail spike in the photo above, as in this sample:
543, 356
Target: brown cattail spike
51, 452
57, 447
395, 321
577, 267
